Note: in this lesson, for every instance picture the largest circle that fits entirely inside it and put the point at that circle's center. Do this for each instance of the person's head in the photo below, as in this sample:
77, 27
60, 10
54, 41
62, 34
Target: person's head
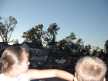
15, 59
90, 69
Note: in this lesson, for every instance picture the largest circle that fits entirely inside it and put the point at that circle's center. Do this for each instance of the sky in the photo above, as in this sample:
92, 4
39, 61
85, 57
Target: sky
88, 19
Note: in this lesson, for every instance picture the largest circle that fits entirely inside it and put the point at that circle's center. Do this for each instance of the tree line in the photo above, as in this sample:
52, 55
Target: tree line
46, 38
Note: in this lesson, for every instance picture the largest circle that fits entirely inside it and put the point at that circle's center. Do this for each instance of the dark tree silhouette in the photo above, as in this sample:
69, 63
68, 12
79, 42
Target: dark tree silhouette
34, 33
52, 29
7, 26
106, 47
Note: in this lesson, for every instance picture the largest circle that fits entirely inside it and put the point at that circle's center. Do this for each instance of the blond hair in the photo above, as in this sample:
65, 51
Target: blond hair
90, 69
11, 55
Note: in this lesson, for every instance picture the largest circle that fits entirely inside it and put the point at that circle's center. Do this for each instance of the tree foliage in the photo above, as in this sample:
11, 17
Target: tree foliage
72, 36
37, 33
106, 46
34, 33
52, 29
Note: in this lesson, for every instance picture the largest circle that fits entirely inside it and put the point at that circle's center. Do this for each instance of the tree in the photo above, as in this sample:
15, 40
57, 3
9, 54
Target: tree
49, 37
7, 26
72, 36
37, 33
106, 46
52, 29
34, 33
